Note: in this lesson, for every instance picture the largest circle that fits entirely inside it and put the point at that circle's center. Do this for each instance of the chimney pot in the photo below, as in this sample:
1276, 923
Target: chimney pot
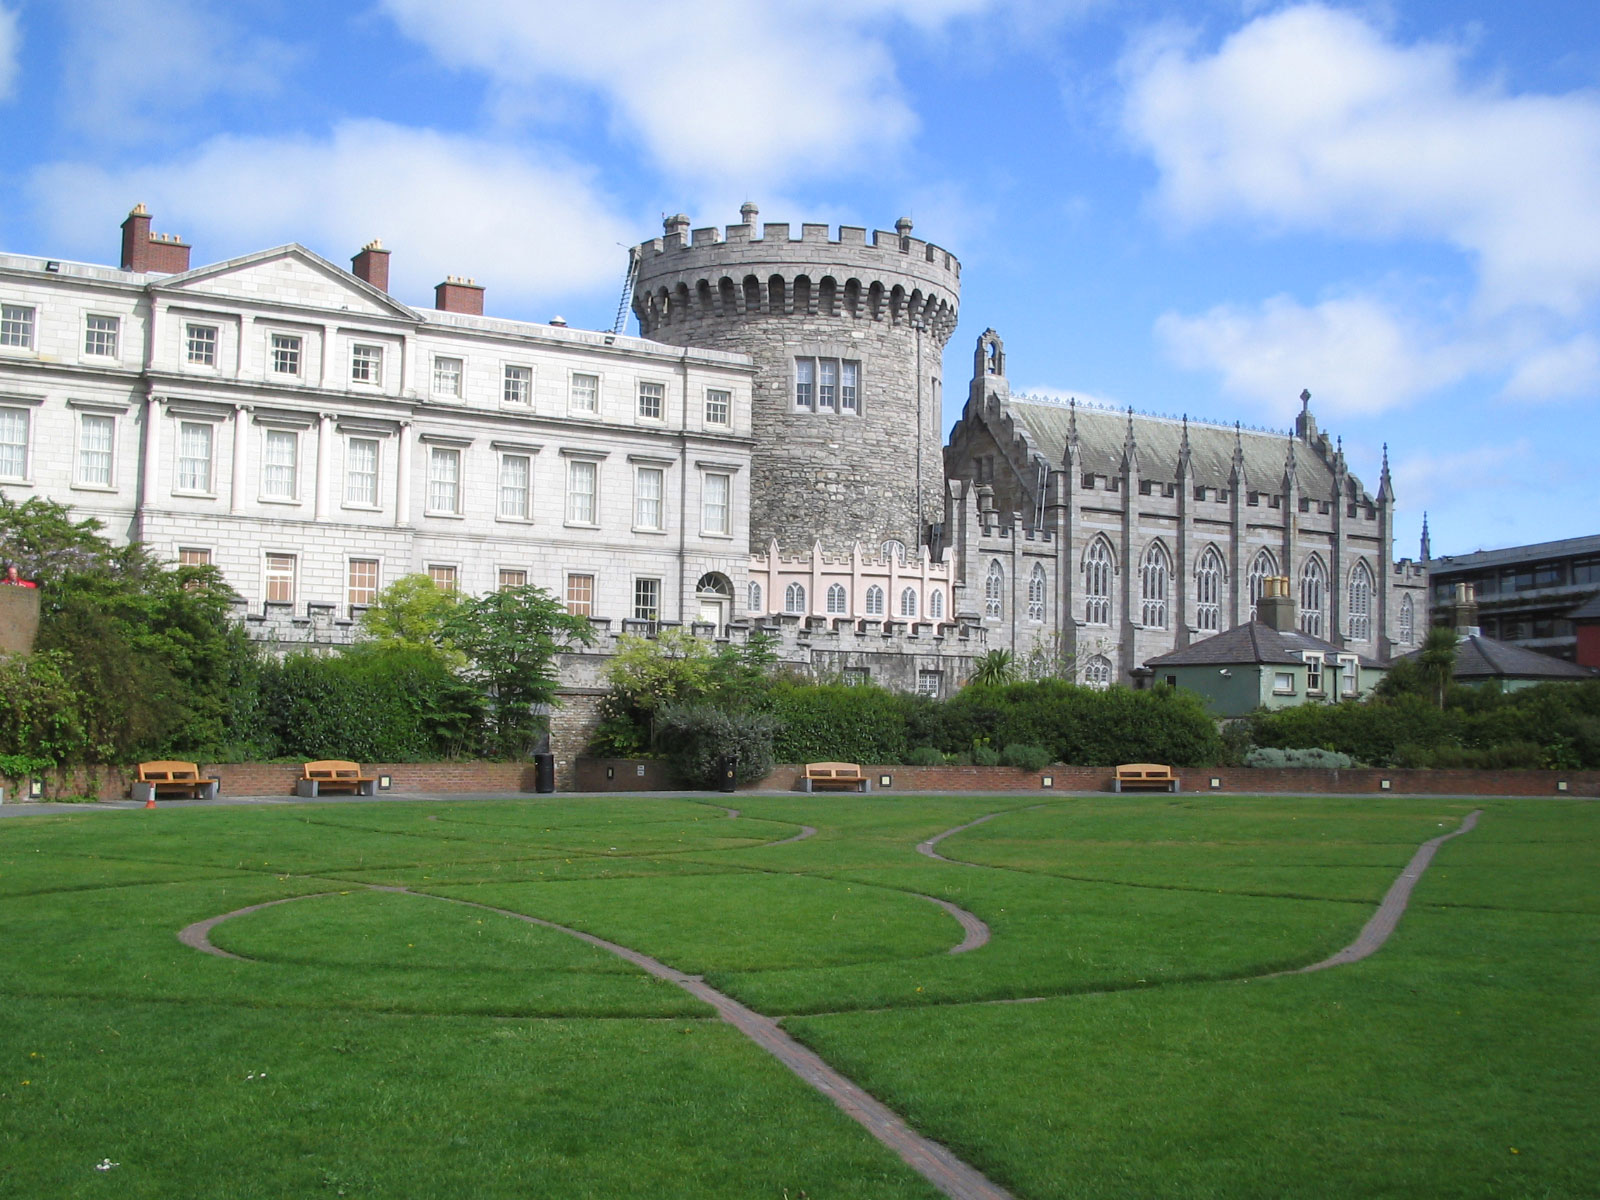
458, 295
371, 265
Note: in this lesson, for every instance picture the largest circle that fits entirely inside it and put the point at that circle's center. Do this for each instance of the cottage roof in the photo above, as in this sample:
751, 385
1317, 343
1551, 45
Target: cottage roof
1479, 658
1251, 644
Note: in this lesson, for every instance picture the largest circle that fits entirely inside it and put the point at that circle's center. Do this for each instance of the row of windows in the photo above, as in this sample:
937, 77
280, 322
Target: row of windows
19, 323
1526, 577
827, 385
280, 473
837, 601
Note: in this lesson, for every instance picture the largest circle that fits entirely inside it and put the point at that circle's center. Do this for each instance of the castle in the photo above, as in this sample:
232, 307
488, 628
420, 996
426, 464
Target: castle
767, 454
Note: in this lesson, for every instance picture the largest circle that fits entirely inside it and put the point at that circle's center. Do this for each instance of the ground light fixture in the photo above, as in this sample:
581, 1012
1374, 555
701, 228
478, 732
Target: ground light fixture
1215, 783
36, 788
885, 780
385, 782
1047, 781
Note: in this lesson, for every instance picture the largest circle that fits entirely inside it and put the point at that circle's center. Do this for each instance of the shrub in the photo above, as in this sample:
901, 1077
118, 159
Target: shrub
694, 739
1271, 756
984, 755
837, 723
1029, 758
924, 756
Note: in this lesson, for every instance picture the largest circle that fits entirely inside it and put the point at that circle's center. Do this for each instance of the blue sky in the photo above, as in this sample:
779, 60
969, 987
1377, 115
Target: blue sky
1186, 207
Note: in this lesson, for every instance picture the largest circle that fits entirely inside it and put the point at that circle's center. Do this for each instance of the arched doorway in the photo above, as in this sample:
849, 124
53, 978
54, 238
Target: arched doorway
714, 593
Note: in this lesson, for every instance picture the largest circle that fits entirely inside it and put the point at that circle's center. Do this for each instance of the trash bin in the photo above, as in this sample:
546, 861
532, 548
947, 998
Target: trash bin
727, 771
544, 773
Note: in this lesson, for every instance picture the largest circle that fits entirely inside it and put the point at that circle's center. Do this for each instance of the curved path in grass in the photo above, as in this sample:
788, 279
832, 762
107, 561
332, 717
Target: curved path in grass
928, 1158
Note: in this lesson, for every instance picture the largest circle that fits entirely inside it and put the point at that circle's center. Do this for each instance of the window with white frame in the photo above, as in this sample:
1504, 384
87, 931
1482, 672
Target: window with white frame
994, 591
581, 478
363, 582
95, 437
647, 599
838, 603
754, 599
892, 550
1349, 675
930, 683
194, 456
285, 353
583, 393
516, 385
1361, 602
447, 373
366, 364
875, 599
1262, 567
1283, 683
652, 400
444, 480
794, 598
361, 472
278, 465
279, 578
1407, 621
100, 336
1313, 671
512, 578
648, 485
1153, 574
1313, 596
200, 345
908, 603
936, 604
16, 326
1097, 673
830, 385
1097, 583
445, 576
516, 486
13, 443
1036, 591
1208, 591
719, 406
716, 508
580, 595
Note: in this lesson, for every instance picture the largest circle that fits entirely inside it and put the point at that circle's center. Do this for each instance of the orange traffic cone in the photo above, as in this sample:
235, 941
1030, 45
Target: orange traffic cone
150, 803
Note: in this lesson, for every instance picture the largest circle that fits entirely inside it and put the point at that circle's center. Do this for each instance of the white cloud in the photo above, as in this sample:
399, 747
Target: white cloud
443, 204
1310, 118
752, 94
1558, 372
130, 65
1429, 479
10, 52
1354, 353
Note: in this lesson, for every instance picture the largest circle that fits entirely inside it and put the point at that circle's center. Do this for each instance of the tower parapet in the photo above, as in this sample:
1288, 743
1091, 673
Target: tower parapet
847, 331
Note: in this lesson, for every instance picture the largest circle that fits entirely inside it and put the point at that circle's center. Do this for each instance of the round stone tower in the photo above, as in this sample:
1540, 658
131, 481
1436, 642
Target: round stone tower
847, 335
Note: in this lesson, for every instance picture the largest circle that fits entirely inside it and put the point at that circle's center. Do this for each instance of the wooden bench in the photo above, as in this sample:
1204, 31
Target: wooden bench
335, 775
1144, 775
835, 775
165, 779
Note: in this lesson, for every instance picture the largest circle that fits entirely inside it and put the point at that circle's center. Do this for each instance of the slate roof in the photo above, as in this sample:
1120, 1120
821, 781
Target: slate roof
1253, 643
1449, 564
1102, 434
1479, 657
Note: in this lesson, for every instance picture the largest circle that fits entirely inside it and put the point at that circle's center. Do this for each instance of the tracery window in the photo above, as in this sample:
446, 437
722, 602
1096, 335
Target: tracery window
755, 597
936, 604
908, 602
1097, 583
874, 601
836, 599
1036, 590
1097, 672
794, 598
1408, 620
1153, 573
994, 586
1263, 567
1361, 603
1208, 591
1313, 596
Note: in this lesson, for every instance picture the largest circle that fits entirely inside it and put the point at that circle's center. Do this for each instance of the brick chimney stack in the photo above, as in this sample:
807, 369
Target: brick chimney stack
143, 251
372, 265
459, 295
1275, 608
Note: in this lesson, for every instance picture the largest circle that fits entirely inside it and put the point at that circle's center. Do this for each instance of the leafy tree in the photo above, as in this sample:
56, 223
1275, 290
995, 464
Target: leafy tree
411, 614
510, 639
695, 738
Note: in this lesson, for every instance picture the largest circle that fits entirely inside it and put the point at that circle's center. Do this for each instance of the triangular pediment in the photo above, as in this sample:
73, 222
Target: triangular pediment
290, 276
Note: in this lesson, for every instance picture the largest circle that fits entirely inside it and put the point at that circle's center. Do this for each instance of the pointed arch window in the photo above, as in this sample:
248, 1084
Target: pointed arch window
1408, 621
755, 598
994, 586
794, 598
1313, 596
1262, 568
1036, 590
874, 601
837, 604
1097, 583
936, 604
1097, 673
908, 602
1153, 574
1208, 579
1361, 602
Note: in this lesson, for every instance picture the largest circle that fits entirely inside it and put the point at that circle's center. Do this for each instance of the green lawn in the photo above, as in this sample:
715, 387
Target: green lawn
384, 1045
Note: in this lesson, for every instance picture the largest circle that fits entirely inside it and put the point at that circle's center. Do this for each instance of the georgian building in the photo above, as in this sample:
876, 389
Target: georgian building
315, 438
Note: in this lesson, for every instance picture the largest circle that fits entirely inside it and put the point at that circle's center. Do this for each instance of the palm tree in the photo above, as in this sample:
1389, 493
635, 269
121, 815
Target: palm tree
994, 668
